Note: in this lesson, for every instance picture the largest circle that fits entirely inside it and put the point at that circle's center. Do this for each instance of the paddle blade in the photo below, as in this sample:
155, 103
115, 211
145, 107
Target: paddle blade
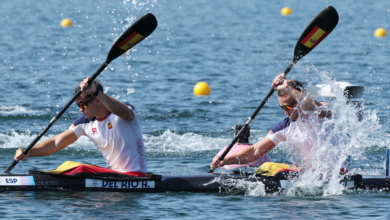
138, 31
316, 31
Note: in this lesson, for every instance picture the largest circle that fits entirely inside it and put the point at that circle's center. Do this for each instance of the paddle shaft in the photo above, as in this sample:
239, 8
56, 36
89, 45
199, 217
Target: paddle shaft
138, 31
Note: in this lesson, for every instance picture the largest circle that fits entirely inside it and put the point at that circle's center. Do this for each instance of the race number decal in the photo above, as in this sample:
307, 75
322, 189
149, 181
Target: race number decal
17, 181
123, 184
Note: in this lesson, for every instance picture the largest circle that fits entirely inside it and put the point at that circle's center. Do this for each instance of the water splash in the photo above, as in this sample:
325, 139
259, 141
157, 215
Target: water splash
141, 4
231, 185
15, 139
137, 5
170, 142
341, 136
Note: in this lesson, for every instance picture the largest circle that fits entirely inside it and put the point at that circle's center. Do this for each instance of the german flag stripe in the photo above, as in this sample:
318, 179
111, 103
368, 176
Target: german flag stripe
314, 37
131, 41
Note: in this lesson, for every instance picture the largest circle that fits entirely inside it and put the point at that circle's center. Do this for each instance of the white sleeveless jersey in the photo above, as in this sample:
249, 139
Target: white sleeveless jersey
120, 142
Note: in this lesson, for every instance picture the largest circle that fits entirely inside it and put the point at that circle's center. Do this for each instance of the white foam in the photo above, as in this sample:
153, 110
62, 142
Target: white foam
15, 110
172, 142
352, 138
22, 140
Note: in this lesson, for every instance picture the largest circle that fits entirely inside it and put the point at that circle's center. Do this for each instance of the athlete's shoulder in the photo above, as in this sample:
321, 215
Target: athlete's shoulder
281, 125
130, 105
82, 120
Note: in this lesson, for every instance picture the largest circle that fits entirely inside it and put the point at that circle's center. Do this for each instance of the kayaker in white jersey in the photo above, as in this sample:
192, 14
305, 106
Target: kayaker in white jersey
298, 129
112, 126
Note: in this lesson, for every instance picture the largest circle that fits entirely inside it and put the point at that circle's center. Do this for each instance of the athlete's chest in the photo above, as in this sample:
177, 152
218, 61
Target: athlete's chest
100, 128
301, 132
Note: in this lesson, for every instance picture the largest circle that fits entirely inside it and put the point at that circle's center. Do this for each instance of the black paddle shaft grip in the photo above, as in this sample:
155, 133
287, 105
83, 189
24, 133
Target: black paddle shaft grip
11, 167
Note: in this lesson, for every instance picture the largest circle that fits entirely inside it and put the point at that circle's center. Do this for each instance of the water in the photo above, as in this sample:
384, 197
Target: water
237, 47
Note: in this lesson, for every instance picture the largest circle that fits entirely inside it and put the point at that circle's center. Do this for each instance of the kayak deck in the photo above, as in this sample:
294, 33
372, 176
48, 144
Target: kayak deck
215, 182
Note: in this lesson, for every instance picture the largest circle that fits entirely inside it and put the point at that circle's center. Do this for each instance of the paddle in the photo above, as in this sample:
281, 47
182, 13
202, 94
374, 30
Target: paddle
314, 33
138, 31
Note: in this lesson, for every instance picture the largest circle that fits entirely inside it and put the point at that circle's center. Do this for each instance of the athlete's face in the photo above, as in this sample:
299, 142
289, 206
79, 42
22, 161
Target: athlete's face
88, 108
289, 106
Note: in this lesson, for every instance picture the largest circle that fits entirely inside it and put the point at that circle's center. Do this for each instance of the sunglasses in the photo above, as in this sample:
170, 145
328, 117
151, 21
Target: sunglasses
84, 104
289, 106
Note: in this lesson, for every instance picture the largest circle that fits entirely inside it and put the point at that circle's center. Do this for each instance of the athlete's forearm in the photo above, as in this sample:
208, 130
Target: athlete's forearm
116, 107
44, 148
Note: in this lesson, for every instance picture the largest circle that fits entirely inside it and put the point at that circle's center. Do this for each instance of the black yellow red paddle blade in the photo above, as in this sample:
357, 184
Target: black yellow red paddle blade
316, 31
132, 36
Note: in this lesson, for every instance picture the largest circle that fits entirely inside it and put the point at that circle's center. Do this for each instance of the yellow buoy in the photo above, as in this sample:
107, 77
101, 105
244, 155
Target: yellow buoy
286, 11
380, 32
66, 22
202, 88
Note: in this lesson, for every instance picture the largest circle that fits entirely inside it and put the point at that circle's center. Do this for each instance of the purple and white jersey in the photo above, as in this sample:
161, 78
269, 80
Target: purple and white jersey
120, 142
300, 136
311, 138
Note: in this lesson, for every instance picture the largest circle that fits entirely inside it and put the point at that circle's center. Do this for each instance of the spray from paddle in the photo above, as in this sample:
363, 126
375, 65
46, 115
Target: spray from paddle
342, 137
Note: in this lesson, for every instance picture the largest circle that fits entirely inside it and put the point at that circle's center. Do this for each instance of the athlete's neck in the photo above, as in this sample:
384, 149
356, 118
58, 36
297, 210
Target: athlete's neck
103, 114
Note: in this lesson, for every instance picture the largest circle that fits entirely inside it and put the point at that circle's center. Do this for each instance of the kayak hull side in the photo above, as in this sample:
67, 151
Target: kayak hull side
194, 183
215, 182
